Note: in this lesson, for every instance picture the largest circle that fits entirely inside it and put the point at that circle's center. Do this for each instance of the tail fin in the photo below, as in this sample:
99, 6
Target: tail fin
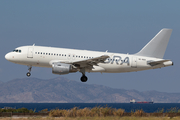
157, 46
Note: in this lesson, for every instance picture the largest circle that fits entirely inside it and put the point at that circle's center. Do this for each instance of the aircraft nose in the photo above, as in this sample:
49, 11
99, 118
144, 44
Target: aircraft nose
7, 56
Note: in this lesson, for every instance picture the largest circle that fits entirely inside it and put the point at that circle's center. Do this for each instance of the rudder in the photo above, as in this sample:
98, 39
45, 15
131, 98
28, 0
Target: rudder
157, 46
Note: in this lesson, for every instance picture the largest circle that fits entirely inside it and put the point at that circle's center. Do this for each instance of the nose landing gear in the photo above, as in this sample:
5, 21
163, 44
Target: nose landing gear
29, 69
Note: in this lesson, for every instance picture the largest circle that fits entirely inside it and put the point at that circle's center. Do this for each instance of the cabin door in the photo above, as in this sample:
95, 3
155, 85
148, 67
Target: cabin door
30, 52
134, 62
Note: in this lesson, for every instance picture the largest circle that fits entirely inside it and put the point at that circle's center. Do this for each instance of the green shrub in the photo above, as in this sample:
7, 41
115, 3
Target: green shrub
172, 110
22, 110
160, 110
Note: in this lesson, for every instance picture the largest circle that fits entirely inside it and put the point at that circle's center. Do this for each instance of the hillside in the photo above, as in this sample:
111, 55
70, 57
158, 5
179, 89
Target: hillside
62, 90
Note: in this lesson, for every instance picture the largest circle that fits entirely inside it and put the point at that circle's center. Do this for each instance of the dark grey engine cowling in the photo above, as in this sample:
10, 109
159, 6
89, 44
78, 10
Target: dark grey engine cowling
62, 68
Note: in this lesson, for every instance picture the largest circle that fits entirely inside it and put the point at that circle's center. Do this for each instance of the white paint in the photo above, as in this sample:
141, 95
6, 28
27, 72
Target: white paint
94, 61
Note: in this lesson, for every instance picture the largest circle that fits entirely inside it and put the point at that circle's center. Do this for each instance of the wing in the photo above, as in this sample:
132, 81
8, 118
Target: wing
90, 62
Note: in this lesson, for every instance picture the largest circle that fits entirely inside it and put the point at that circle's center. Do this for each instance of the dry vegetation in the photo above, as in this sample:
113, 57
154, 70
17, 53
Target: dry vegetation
93, 118
100, 113
87, 112
108, 111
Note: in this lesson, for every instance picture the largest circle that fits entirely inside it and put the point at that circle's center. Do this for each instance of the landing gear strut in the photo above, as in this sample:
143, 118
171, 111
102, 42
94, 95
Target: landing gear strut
29, 69
83, 78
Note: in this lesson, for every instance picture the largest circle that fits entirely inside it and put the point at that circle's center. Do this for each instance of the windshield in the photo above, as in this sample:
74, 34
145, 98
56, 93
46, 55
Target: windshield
16, 50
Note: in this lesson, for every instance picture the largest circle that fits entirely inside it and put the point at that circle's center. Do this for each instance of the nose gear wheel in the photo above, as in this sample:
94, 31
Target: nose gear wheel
28, 74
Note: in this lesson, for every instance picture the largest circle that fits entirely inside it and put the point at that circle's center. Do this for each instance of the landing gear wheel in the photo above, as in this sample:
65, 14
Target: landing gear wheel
29, 69
84, 78
28, 74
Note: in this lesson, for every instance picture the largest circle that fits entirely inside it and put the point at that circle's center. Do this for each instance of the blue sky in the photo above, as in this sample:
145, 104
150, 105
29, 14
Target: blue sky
99, 25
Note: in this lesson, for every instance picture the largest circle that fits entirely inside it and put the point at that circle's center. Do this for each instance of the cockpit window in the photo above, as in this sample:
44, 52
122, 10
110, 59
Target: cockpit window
16, 50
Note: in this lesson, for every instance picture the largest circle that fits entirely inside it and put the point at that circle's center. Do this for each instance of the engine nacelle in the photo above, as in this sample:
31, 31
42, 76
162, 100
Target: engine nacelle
61, 68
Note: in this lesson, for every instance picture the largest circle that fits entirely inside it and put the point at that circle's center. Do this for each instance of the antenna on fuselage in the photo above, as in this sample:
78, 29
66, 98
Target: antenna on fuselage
34, 44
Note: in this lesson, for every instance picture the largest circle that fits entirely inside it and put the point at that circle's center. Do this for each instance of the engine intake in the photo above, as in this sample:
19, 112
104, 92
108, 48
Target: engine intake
62, 68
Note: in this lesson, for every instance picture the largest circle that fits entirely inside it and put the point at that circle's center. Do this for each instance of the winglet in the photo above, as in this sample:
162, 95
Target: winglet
157, 46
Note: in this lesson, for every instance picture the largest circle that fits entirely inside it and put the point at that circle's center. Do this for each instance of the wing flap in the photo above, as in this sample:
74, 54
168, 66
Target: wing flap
90, 62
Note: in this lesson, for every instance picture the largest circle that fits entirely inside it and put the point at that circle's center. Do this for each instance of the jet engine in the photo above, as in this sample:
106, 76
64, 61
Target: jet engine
62, 68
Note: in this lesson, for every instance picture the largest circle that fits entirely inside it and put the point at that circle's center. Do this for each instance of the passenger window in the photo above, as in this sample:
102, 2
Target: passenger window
20, 51
35, 52
65, 55
59, 54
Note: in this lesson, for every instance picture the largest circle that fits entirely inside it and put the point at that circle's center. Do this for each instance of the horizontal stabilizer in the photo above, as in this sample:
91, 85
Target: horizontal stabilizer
153, 63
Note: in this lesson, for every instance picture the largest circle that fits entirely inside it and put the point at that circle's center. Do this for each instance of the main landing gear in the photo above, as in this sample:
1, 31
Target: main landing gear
83, 78
29, 69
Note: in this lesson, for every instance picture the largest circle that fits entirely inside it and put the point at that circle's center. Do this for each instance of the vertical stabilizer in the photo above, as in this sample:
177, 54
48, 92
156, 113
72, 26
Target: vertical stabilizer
157, 46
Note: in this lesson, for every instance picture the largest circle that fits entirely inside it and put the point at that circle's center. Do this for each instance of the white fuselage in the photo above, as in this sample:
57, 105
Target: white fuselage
117, 63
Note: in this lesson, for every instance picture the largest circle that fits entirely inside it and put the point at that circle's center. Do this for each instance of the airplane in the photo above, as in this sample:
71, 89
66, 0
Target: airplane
65, 61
